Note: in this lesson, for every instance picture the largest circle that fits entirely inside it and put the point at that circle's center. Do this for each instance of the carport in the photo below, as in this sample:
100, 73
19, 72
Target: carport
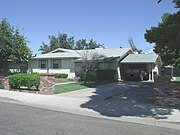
139, 67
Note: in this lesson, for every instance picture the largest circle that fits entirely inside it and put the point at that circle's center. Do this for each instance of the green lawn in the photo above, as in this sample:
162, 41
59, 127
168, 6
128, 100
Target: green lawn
74, 86
69, 87
61, 81
177, 79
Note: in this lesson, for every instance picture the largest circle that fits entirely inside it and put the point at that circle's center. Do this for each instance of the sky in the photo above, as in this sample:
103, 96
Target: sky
109, 22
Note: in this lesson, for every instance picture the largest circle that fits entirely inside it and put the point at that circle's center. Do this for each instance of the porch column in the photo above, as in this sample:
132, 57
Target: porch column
149, 71
119, 73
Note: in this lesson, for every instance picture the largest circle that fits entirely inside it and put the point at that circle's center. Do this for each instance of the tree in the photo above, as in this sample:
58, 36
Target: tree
13, 46
177, 3
82, 44
133, 46
167, 39
86, 66
61, 41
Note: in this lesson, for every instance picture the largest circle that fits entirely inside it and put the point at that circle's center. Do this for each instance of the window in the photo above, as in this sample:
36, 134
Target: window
43, 64
103, 65
56, 64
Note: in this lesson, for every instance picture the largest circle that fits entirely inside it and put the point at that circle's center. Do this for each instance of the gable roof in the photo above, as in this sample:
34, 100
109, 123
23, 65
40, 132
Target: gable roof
140, 58
67, 53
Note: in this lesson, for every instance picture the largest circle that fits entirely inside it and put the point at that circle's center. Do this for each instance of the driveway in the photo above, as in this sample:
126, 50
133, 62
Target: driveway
123, 99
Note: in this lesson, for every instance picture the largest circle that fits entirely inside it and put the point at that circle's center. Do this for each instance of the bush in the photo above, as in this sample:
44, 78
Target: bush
61, 75
26, 80
91, 75
81, 75
105, 75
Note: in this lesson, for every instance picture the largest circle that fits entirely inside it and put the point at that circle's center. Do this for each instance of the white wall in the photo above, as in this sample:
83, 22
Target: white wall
67, 67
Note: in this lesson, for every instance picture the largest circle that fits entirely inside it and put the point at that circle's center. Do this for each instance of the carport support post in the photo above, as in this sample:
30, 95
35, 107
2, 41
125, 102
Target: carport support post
119, 73
151, 75
150, 71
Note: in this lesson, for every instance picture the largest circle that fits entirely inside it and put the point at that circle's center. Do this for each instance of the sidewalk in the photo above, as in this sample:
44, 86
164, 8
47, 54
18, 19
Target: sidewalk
73, 104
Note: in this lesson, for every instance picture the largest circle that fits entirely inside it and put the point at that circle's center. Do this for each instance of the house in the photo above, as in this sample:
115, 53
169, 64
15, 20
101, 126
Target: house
64, 61
14, 67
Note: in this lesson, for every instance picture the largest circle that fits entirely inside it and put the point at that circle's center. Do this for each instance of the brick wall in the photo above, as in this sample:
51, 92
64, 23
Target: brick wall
47, 83
166, 93
6, 84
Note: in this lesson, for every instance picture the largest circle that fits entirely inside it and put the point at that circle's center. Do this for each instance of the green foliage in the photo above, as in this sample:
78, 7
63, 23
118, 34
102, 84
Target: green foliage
167, 39
61, 75
61, 41
177, 3
90, 75
13, 45
81, 75
26, 80
82, 44
106, 75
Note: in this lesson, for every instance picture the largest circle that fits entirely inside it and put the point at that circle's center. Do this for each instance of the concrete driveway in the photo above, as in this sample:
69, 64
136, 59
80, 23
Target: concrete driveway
123, 99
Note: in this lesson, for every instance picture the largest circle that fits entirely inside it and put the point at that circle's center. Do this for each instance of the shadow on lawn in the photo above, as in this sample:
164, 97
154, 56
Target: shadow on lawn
126, 99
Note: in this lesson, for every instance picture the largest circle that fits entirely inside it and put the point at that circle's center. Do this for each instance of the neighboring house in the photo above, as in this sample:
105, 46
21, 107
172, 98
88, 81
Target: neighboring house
14, 67
121, 59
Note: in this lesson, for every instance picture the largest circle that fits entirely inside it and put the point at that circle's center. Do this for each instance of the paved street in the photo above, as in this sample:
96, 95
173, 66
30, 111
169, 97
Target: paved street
23, 120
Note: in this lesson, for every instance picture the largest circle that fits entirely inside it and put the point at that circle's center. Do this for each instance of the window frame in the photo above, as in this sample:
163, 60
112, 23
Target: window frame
58, 64
46, 63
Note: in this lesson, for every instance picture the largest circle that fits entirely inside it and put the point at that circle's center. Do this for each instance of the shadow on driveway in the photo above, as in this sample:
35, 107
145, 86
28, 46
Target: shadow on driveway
126, 99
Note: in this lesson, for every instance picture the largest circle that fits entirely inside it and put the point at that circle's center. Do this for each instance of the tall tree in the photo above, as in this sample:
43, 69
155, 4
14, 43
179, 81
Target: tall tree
177, 3
61, 41
87, 65
82, 44
13, 46
167, 39
133, 46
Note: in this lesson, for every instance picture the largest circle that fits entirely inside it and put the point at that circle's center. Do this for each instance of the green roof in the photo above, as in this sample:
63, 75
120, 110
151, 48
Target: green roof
140, 58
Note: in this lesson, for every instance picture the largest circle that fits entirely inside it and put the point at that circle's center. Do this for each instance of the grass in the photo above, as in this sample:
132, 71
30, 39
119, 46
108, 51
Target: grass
177, 80
69, 87
74, 86
61, 81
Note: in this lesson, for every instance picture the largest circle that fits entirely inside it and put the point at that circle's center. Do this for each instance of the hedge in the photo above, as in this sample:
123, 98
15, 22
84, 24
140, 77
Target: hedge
61, 75
26, 80
91, 75
98, 75
105, 75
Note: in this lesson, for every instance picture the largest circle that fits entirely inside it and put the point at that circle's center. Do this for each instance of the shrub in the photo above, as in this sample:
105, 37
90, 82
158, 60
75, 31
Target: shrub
26, 80
91, 75
105, 75
81, 75
61, 75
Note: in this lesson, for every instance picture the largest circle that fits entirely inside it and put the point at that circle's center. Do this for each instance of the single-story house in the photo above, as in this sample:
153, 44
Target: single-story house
123, 60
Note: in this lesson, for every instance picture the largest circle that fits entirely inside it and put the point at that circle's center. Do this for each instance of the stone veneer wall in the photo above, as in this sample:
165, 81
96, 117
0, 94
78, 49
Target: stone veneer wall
166, 93
6, 84
46, 84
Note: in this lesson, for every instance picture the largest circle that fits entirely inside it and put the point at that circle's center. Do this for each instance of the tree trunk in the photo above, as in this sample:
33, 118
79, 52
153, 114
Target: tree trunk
4, 67
85, 78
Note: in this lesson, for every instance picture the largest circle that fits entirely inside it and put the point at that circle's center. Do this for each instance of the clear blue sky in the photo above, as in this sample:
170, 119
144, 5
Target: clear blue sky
109, 22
